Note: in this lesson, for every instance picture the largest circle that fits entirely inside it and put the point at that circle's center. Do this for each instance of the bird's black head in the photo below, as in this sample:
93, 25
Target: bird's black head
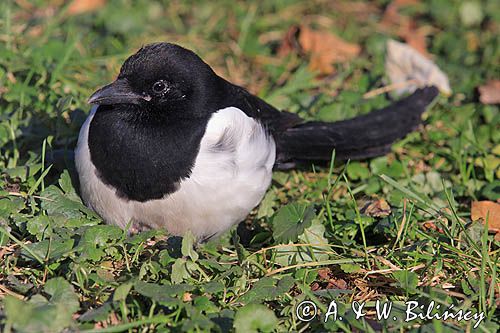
164, 79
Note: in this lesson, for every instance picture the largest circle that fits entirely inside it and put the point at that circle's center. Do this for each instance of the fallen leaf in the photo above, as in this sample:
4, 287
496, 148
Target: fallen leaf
392, 20
481, 209
322, 47
324, 273
289, 42
377, 208
408, 70
407, 2
25, 4
405, 27
332, 282
83, 6
490, 92
416, 38
337, 284
187, 297
431, 225
361, 10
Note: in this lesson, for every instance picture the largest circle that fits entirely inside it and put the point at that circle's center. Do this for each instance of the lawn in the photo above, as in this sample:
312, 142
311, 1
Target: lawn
351, 236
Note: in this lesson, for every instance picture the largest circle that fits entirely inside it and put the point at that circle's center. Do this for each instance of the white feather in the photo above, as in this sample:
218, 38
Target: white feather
224, 186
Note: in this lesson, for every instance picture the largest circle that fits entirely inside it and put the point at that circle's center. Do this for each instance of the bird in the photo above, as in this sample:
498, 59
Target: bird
172, 145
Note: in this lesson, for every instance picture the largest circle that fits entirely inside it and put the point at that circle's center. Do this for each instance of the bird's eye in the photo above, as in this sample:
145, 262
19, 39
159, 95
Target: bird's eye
159, 87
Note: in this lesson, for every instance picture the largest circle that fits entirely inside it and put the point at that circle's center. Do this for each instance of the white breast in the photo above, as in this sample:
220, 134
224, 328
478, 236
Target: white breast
231, 175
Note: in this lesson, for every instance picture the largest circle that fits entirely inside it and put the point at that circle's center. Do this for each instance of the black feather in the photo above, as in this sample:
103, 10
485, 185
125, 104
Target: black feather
357, 138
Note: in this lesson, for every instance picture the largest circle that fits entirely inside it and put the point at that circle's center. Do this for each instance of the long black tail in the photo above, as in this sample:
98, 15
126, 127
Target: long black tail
362, 137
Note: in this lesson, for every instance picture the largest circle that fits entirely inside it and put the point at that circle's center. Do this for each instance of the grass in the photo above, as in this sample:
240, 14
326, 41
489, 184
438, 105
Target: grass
310, 239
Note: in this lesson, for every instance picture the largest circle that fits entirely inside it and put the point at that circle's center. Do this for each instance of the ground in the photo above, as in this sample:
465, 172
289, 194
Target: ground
395, 229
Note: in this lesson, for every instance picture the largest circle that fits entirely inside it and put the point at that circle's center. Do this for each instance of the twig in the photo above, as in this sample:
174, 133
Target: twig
390, 87
25, 195
313, 264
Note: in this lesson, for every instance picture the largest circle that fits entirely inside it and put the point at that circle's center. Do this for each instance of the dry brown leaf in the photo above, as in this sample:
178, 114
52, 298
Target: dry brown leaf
490, 92
83, 6
187, 297
416, 38
377, 208
393, 20
404, 26
337, 284
323, 48
431, 225
24, 4
324, 273
481, 209
332, 282
361, 10
289, 42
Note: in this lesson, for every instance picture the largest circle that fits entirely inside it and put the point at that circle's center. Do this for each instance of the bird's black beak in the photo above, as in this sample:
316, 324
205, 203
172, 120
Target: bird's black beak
117, 92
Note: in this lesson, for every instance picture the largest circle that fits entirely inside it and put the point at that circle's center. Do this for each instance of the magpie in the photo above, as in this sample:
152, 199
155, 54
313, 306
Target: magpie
170, 144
